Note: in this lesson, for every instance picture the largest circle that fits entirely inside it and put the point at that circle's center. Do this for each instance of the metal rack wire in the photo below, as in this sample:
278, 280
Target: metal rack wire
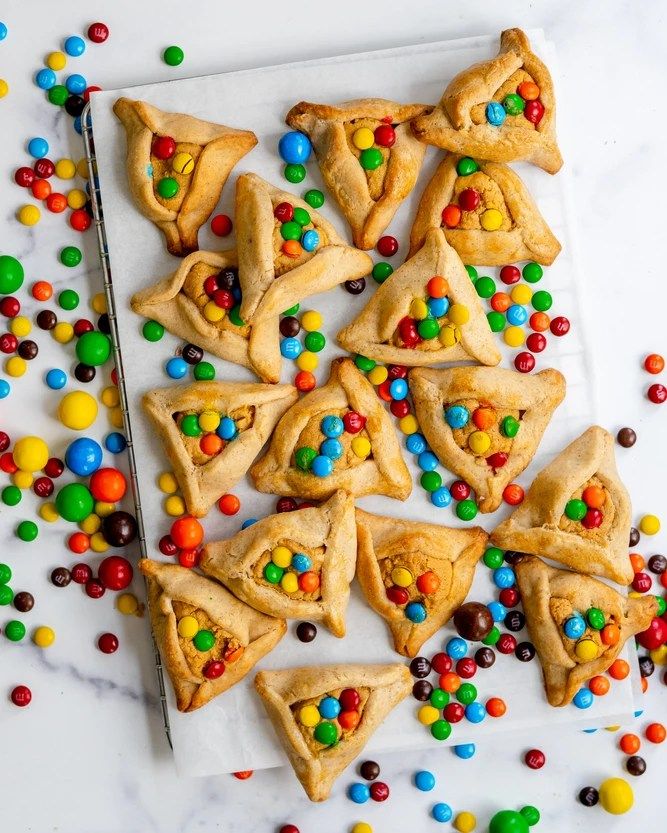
103, 251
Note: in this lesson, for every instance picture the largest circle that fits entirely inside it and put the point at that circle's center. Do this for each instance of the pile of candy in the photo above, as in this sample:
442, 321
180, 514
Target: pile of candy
587, 510
205, 641
654, 364
579, 629
304, 355
331, 717
478, 440
369, 143
292, 571
321, 463
525, 101
296, 230
404, 585
433, 317
470, 200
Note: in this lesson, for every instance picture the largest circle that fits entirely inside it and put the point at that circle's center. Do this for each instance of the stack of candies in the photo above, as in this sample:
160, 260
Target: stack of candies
321, 463
214, 430
292, 571
224, 293
204, 641
524, 102
294, 148
314, 342
587, 510
331, 717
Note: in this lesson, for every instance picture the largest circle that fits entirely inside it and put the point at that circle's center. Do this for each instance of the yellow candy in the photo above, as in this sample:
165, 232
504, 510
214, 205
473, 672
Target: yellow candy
611, 728
213, 313
309, 716
363, 138
491, 219
479, 442
103, 508
167, 483
362, 827
458, 314
361, 447
183, 163
76, 198
521, 294
116, 417
128, 605
401, 576
4, 88
378, 374
22, 479
43, 636
65, 169
63, 332
20, 326
289, 583
174, 506
449, 335
28, 215
635, 594
82, 168
56, 61
15, 367
307, 361
464, 822
616, 796
649, 525
77, 410
48, 512
209, 421
91, 524
311, 320
659, 655
428, 715
98, 542
586, 650
30, 453
281, 557
188, 627
99, 302
408, 424
418, 309
110, 396
514, 336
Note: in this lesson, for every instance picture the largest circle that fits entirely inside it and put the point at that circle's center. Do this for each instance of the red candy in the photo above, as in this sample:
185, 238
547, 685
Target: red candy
54, 467
459, 490
94, 589
223, 298
513, 494
509, 596
379, 791
524, 362
7, 463
44, 168
243, 775
348, 719
497, 460
167, 546
283, 212
21, 695
506, 644
115, 572
80, 219
560, 326
398, 595
164, 147
534, 759
189, 558
453, 712
24, 176
385, 135
43, 487
592, 519
56, 203
5, 441
536, 342
286, 504
8, 343
469, 199
510, 275
349, 699
108, 484
213, 669
400, 408
399, 371
221, 225
10, 306
108, 643
89, 90
387, 246
657, 394
407, 330
533, 111
187, 532
289, 828
383, 390
441, 663
98, 32
81, 573
654, 636
211, 285
642, 582
451, 215
466, 668
83, 325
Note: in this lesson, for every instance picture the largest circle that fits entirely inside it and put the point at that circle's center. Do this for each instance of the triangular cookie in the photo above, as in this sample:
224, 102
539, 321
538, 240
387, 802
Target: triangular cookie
587, 531
551, 598
181, 304
388, 327
295, 565
441, 562
519, 124
365, 459
280, 261
370, 172
484, 424
488, 215
210, 455
238, 635
177, 167
363, 696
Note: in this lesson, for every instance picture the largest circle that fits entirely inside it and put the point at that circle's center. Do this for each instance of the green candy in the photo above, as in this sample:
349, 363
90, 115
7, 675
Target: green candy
301, 216
364, 364
173, 56
430, 481
15, 630
168, 187
531, 814
532, 272
381, 271
93, 348
492, 637
542, 300
314, 198
70, 256
235, 317
371, 159
662, 605
27, 530
596, 618
290, 230
575, 509
11, 274
485, 286
74, 502
58, 95
441, 729
68, 299
190, 425
152, 330
5, 573
428, 328
273, 573
466, 166
493, 558
11, 495
203, 640
294, 173
6, 595
203, 371
326, 733
292, 310
466, 510
509, 427
439, 698
508, 821
472, 273
466, 693
513, 104
315, 342
496, 321
304, 456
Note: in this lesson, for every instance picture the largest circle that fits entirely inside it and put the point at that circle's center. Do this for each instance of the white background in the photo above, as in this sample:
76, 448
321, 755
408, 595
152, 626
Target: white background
89, 753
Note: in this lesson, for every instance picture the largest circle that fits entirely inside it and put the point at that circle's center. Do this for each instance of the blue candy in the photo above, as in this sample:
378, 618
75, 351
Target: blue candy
310, 240
329, 708
442, 812
227, 429
424, 780
248, 522
359, 793
115, 442
441, 497
3, 30
45, 79
427, 461
415, 443
456, 648
322, 466
398, 389
574, 627
497, 610
56, 379
290, 348
516, 315
583, 699
75, 46
83, 456
504, 577
76, 84
332, 426
332, 448
5, 388
176, 368
301, 562
475, 712
589, 731
495, 113
464, 750
457, 416
415, 612
77, 125
438, 306
294, 147
38, 147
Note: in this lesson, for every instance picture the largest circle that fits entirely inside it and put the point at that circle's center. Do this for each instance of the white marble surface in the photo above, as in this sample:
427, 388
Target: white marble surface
89, 754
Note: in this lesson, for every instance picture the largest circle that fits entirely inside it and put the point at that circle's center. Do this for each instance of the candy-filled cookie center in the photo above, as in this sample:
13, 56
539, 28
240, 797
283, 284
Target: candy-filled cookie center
589, 512
483, 430
477, 203
515, 103
206, 433
434, 321
207, 647
296, 236
412, 580
586, 635
329, 719
171, 168
292, 569
331, 441
370, 140
217, 294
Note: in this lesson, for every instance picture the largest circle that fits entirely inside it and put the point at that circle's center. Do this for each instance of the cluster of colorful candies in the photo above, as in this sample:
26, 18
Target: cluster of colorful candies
190, 356
294, 148
204, 640
470, 200
654, 364
398, 592
435, 317
587, 510
224, 293
296, 230
291, 570
305, 354
509, 314
321, 463
369, 143
182, 164
184, 540
631, 744
525, 101
375, 790
332, 716
213, 429
577, 627
484, 417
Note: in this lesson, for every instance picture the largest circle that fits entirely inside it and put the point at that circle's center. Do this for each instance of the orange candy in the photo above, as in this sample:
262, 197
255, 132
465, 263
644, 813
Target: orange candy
304, 381
629, 744
348, 719
593, 497
186, 532
437, 287
292, 248
188, 558
513, 494
42, 291
528, 90
211, 444
654, 363
229, 504
108, 484
496, 707
79, 542
484, 418
637, 562
599, 685
644, 685
450, 682
428, 583
619, 669
233, 655
40, 189
501, 302
243, 774
309, 582
451, 216
56, 203
655, 732
539, 322
610, 635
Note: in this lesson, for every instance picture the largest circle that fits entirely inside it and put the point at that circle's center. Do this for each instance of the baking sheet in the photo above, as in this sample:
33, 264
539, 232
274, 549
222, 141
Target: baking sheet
232, 732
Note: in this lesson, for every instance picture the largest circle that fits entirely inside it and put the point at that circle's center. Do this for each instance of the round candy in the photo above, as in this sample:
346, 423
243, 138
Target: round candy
508, 821
326, 733
83, 456
616, 796
332, 426
30, 454
74, 502
441, 812
465, 822
583, 699
649, 525
11, 275
416, 612
495, 113
77, 410
424, 780
21, 695
321, 466
115, 572
574, 627
173, 56
294, 147
457, 416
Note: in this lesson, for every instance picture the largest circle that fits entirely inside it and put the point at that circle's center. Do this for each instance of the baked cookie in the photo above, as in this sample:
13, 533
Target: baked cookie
324, 715
177, 167
502, 109
426, 312
338, 436
578, 624
295, 565
414, 574
368, 156
287, 251
484, 424
196, 303
212, 431
577, 511
487, 213
208, 640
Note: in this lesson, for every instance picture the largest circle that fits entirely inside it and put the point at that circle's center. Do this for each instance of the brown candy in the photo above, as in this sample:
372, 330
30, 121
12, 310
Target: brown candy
626, 437
422, 690
24, 601
420, 667
289, 326
369, 770
119, 529
61, 577
473, 621
306, 631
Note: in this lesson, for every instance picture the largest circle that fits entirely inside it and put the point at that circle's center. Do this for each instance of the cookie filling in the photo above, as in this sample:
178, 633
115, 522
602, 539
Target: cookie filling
217, 294
411, 583
589, 512
207, 648
332, 441
329, 719
585, 635
296, 238
434, 320
206, 433
516, 103
477, 203
370, 141
483, 430
292, 569
171, 167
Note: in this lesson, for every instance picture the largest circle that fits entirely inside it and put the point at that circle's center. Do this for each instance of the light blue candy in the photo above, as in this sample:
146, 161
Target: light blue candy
457, 416
427, 461
45, 79
176, 368
76, 84
322, 466
83, 456
442, 812
516, 315
115, 442
359, 793
415, 612
301, 562
332, 426
589, 731
248, 522
398, 389
294, 147
332, 448
77, 125
475, 712
38, 147
456, 648
574, 627
56, 379
5, 388
504, 577
424, 780
415, 443
329, 708
464, 750
310, 240
497, 610
583, 699
290, 348
438, 306
227, 429
3, 30
75, 46
495, 113
441, 497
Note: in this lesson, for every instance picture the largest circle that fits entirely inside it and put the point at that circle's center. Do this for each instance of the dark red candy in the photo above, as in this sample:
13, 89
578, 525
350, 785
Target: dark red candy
560, 326
10, 306
286, 504
54, 467
164, 147
400, 408
383, 390
398, 595
21, 695
506, 644
524, 362
115, 572
379, 791
441, 663
509, 596
81, 573
453, 712
407, 330
44, 168
349, 699
657, 394
397, 371
98, 32
211, 285
223, 298
459, 490
8, 343
43, 487
167, 546
497, 460
536, 342
289, 828
642, 582
5, 442
384, 135
283, 212
24, 176
214, 669
83, 325
533, 111
592, 519
534, 759
469, 199
108, 643
387, 246
94, 588
466, 668
353, 422
510, 274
